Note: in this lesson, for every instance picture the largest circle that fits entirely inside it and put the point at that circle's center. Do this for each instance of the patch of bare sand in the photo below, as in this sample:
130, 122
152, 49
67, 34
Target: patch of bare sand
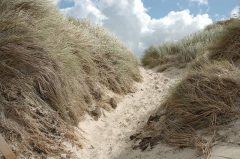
108, 138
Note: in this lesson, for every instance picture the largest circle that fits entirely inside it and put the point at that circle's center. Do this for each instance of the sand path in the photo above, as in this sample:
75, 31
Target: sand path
108, 138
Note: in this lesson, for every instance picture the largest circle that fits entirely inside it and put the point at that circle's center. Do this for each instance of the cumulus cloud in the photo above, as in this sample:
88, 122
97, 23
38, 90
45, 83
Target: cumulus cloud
175, 26
235, 12
130, 21
85, 9
201, 2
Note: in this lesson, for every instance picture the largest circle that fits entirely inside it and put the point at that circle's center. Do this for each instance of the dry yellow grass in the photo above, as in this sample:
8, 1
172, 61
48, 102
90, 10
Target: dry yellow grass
52, 70
205, 100
227, 45
186, 51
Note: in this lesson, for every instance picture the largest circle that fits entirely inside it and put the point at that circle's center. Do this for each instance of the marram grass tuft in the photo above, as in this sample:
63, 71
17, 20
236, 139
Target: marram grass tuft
53, 70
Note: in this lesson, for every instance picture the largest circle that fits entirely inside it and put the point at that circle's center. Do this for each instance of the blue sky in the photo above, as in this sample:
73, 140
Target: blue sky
217, 9
65, 4
142, 23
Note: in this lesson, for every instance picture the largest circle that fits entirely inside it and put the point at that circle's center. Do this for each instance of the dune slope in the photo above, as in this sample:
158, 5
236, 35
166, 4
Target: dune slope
54, 69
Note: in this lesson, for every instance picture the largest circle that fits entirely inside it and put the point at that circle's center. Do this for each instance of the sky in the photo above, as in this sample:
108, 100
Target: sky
142, 23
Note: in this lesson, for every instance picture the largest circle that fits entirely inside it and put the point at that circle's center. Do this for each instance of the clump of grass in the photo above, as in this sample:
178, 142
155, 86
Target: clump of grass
54, 70
227, 45
181, 53
205, 99
223, 23
214, 41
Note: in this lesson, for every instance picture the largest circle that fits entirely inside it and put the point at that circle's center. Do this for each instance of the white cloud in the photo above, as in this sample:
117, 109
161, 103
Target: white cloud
85, 9
129, 20
201, 2
175, 26
235, 12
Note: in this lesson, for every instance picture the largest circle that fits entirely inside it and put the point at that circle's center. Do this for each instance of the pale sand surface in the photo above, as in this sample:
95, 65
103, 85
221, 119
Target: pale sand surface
108, 138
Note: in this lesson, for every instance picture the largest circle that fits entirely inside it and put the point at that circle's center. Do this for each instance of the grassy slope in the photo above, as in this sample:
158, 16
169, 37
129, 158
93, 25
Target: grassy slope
208, 97
53, 70
183, 52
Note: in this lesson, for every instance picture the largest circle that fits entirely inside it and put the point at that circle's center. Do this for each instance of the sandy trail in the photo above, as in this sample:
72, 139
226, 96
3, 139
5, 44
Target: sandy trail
108, 138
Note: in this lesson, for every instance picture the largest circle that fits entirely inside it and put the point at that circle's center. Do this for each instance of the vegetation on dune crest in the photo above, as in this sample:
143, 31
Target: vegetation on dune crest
184, 52
53, 70
227, 46
206, 99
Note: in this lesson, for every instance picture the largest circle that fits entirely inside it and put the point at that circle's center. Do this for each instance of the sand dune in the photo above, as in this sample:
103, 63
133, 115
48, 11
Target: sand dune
108, 138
